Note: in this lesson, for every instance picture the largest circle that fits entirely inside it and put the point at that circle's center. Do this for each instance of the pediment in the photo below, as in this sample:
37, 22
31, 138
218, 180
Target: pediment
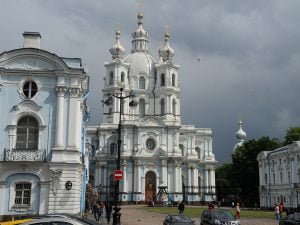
151, 121
30, 63
27, 105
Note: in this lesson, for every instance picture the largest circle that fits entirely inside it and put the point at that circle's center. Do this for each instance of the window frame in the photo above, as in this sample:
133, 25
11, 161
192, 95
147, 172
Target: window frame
31, 132
30, 91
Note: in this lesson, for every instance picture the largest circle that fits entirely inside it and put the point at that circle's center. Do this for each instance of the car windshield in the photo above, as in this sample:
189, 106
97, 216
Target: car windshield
177, 219
222, 214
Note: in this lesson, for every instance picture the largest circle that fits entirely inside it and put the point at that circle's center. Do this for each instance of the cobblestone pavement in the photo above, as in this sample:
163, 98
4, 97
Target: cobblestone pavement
131, 215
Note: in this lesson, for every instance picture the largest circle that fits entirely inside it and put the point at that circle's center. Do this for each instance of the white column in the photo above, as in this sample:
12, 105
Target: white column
74, 119
195, 179
213, 182
2, 190
178, 177
105, 183
60, 91
206, 180
124, 177
137, 177
189, 179
44, 193
163, 175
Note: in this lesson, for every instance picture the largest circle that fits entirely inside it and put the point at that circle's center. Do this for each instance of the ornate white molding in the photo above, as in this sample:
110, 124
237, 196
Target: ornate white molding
55, 178
60, 91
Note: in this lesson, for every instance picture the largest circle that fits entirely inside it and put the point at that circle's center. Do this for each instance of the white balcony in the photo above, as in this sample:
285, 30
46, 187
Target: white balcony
24, 155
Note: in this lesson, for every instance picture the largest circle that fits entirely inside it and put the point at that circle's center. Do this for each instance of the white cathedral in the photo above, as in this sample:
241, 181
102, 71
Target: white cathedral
157, 152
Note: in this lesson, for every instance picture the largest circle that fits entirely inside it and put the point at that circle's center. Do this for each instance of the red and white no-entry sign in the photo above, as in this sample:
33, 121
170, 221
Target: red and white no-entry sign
118, 175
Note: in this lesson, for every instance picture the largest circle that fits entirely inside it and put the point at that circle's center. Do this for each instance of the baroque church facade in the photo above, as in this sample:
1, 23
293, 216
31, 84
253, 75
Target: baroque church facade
42, 98
157, 152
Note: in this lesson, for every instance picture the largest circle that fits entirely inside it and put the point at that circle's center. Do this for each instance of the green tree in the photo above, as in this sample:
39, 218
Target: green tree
292, 134
224, 181
245, 172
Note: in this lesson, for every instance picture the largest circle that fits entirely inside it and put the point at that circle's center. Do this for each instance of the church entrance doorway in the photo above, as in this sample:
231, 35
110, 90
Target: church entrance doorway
150, 187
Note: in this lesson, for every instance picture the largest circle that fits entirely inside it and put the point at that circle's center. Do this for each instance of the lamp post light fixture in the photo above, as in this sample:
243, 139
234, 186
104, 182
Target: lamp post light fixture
132, 103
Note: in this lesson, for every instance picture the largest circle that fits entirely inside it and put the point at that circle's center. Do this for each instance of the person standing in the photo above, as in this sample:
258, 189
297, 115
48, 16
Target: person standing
237, 211
96, 210
108, 210
277, 213
181, 207
281, 207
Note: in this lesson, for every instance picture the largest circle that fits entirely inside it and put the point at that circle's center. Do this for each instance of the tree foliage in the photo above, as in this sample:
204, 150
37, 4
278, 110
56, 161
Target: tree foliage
245, 166
90, 196
292, 134
241, 177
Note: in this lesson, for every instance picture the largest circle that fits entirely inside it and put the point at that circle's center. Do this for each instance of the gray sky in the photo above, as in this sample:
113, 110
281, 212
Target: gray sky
249, 54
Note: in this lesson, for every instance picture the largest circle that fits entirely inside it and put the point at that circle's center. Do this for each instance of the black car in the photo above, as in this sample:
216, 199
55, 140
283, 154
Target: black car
178, 220
218, 217
292, 219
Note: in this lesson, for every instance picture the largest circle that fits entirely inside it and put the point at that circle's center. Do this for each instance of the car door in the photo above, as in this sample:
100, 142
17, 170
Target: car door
206, 218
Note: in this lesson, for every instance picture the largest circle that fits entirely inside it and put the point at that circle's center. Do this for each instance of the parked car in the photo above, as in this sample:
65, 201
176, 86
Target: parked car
178, 220
15, 222
291, 219
59, 220
218, 217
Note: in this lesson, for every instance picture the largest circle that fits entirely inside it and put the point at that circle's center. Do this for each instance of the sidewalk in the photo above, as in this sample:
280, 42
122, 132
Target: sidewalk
133, 215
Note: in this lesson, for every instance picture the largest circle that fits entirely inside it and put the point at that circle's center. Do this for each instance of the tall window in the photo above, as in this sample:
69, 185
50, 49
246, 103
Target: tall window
174, 107
142, 107
111, 78
27, 133
30, 89
162, 107
162, 80
173, 79
23, 193
142, 83
182, 149
122, 76
112, 148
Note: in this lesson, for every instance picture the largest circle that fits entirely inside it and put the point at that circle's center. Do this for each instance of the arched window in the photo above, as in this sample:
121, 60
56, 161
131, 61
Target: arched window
142, 83
142, 107
162, 107
162, 80
122, 76
174, 107
197, 149
173, 79
30, 89
182, 149
27, 133
111, 78
112, 148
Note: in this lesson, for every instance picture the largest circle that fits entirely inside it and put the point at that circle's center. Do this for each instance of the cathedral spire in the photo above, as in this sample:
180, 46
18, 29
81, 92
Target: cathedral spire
166, 52
117, 51
140, 37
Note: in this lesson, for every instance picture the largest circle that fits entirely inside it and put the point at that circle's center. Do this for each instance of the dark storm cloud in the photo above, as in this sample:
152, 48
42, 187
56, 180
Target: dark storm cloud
237, 58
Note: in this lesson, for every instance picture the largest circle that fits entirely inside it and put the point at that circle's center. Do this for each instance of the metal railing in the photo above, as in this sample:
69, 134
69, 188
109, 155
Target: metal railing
24, 155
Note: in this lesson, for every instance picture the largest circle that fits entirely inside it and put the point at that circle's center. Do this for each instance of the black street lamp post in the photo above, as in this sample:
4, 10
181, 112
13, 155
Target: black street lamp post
108, 102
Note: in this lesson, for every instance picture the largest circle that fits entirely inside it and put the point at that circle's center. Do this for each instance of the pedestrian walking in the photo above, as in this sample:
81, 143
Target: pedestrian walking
181, 207
96, 210
108, 210
277, 213
237, 211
